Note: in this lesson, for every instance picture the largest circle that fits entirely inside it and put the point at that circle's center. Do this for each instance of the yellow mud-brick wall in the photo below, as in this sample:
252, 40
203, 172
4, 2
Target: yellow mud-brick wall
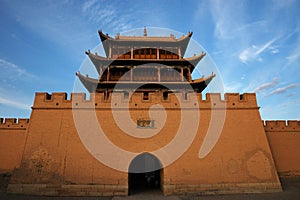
12, 140
54, 151
241, 159
54, 157
55, 154
284, 139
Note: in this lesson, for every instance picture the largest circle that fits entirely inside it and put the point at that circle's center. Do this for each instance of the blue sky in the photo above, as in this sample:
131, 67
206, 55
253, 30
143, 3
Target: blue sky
255, 45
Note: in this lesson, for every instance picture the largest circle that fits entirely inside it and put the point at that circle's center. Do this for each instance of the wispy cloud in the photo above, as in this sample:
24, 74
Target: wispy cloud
282, 110
232, 87
227, 18
58, 22
274, 49
253, 53
12, 78
251, 25
291, 94
108, 15
283, 4
88, 4
13, 103
9, 69
283, 89
232, 23
294, 56
267, 85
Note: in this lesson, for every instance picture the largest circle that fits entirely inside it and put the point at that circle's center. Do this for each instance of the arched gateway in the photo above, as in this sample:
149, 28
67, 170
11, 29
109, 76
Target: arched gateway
145, 173
148, 70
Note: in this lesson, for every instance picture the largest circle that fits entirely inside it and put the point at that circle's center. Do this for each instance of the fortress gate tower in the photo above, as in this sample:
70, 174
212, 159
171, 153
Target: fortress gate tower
145, 125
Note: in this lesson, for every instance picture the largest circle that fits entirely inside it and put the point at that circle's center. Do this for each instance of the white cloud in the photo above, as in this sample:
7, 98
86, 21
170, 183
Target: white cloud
267, 85
244, 55
232, 87
292, 94
228, 18
14, 80
108, 16
251, 25
293, 57
264, 47
274, 49
11, 69
253, 53
58, 22
295, 53
13, 103
283, 110
283, 89
232, 21
86, 5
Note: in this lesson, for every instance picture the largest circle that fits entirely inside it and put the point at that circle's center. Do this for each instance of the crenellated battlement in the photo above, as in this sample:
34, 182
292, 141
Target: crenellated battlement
231, 100
13, 123
282, 126
60, 100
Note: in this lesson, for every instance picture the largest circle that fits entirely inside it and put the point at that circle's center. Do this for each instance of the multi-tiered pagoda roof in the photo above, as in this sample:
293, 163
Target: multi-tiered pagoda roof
144, 63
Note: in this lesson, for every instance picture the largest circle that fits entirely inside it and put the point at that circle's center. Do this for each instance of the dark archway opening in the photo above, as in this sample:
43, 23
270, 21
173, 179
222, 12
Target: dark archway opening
145, 172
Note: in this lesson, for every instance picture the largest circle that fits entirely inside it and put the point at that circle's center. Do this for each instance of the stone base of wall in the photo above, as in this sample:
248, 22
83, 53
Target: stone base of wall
122, 190
289, 174
208, 189
68, 190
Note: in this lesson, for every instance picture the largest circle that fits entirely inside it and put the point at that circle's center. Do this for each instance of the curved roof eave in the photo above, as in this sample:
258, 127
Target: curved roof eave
89, 83
103, 36
92, 84
193, 60
183, 41
99, 61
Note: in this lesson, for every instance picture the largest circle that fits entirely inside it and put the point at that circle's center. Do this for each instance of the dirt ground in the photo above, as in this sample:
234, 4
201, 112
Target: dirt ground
291, 191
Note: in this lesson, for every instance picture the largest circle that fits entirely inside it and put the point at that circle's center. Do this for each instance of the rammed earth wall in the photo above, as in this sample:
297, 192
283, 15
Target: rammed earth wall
12, 140
284, 139
54, 160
